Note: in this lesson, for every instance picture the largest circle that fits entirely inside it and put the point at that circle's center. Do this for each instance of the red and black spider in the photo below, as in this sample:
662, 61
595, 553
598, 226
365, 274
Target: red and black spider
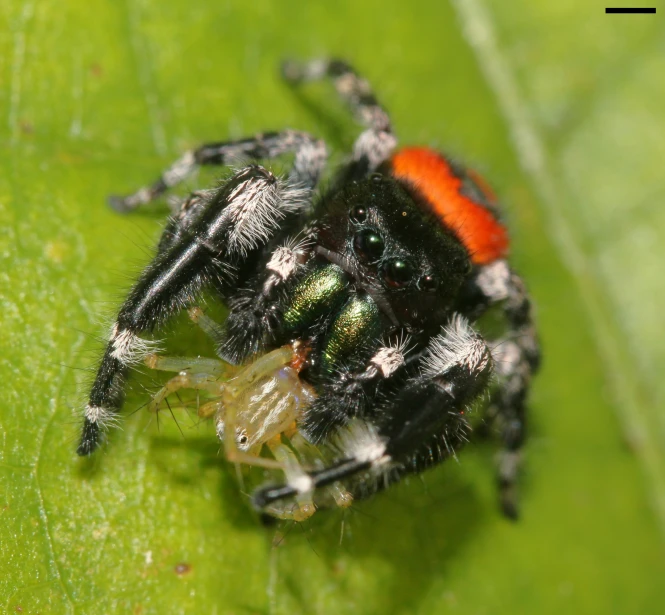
349, 349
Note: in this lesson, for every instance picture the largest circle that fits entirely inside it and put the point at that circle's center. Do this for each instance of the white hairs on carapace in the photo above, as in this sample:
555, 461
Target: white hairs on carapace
256, 206
457, 344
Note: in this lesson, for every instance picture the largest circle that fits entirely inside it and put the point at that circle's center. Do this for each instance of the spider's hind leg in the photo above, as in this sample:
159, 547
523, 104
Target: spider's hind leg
375, 144
516, 357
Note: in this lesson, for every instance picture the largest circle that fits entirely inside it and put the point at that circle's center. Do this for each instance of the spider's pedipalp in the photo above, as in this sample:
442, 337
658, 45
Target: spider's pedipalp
346, 394
283, 262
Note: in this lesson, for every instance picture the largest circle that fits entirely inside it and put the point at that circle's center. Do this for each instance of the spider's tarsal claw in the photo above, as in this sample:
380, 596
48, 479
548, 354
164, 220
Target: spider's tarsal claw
508, 501
90, 438
298, 72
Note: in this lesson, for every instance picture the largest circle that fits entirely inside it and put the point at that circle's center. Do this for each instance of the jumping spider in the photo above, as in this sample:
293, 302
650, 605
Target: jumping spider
349, 350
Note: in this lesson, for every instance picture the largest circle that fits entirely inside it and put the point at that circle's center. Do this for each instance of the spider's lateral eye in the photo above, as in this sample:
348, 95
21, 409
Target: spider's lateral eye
397, 273
428, 283
377, 178
358, 214
368, 245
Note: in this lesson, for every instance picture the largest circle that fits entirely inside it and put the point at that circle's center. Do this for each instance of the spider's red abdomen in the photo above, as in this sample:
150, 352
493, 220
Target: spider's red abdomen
433, 178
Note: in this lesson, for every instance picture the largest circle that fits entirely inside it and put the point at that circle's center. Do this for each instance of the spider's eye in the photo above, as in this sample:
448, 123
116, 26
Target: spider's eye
358, 214
368, 246
428, 283
397, 273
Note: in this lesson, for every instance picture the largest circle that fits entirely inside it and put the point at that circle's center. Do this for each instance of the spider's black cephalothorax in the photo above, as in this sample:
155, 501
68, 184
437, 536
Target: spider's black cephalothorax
349, 348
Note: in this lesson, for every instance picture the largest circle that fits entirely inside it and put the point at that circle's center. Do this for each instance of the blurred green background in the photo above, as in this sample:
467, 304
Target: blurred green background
560, 106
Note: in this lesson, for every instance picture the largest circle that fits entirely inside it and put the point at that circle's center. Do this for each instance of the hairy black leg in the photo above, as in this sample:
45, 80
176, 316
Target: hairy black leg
241, 218
427, 412
508, 411
309, 161
376, 143
517, 357
183, 218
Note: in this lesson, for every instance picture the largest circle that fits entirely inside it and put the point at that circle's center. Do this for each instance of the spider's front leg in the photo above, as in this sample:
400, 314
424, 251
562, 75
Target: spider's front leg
212, 242
208, 250
424, 423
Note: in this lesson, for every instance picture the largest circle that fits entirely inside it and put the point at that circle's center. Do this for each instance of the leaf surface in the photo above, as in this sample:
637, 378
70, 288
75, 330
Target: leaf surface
559, 105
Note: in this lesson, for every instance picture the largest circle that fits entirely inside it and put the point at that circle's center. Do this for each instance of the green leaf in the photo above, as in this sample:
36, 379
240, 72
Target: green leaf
558, 104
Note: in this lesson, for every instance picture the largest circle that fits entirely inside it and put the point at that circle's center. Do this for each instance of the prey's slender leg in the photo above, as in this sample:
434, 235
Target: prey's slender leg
194, 365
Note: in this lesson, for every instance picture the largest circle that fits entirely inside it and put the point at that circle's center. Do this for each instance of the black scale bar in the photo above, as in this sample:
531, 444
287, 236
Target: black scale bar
630, 10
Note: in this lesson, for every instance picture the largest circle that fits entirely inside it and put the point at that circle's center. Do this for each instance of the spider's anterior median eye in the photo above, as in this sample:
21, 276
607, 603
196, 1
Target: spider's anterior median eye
358, 214
368, 246
397, 273
428, 283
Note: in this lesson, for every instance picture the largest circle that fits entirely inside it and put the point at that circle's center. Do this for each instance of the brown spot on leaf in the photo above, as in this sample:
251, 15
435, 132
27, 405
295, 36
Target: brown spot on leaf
182, 569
